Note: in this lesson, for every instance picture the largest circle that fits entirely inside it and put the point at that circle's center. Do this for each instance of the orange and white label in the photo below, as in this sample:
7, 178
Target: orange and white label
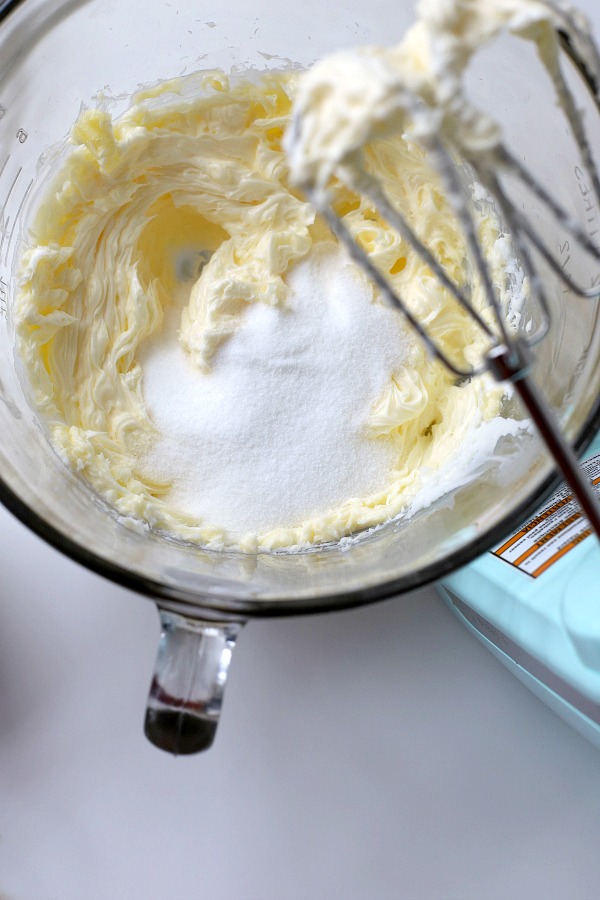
556, 528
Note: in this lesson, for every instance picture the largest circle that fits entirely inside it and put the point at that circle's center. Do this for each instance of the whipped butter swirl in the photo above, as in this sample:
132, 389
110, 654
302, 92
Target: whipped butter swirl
183, 207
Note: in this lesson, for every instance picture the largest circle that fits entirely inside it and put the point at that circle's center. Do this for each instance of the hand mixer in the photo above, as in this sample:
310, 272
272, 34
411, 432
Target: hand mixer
440, 131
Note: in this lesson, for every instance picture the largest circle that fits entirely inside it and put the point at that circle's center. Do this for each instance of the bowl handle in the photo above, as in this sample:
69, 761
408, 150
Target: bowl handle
189, 679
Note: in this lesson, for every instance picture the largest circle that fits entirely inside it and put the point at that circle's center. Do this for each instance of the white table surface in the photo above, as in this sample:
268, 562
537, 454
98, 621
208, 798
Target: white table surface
379, 753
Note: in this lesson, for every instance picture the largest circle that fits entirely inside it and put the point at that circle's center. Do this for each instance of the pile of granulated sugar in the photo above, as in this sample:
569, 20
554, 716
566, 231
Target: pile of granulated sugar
276, 432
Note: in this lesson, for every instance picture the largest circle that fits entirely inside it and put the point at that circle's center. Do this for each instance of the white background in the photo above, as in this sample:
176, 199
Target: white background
379, 753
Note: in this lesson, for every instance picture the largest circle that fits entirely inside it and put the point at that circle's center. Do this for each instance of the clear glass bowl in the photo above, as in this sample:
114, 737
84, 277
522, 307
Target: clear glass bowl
54, 56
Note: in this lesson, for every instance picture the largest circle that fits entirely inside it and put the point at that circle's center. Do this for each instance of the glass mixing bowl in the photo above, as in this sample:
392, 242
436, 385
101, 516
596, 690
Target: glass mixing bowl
56, 55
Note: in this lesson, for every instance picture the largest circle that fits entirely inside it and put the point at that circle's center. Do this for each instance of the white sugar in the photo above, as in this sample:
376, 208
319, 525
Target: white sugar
276, 432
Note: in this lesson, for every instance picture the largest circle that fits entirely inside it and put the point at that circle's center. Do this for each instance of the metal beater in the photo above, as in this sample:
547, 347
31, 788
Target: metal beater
509, 357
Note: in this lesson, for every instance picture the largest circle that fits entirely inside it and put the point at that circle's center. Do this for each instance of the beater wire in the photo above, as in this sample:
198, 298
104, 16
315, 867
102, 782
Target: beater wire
508, 357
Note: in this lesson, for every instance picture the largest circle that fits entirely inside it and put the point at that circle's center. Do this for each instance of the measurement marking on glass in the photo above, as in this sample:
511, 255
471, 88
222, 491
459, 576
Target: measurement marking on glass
4, 165
4, 233
12, 231
3, 296
10, 190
